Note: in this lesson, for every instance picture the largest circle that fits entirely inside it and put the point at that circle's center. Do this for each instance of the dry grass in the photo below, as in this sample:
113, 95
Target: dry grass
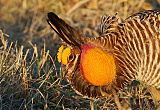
29, 80
29, 74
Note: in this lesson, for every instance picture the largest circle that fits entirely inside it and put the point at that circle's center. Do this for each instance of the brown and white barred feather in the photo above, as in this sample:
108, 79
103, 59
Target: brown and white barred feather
137, 47
141, 46
135, 44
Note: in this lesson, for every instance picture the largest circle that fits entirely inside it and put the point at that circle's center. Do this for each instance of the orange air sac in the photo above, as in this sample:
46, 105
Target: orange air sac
97, 66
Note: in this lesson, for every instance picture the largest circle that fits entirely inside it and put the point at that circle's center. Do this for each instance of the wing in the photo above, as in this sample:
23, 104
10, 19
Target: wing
108, 24
146, 14
137, 50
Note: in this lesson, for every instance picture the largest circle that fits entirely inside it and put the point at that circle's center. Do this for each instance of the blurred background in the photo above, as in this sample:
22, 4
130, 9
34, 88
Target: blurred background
35, 83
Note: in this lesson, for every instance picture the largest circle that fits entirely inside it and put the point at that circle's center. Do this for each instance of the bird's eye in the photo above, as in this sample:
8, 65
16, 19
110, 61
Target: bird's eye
71, 57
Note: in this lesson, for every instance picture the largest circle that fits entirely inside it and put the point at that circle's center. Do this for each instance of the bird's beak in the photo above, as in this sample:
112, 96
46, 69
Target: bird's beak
63, 74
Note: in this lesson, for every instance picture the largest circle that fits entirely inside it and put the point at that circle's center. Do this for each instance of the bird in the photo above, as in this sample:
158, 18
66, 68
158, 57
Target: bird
124, 51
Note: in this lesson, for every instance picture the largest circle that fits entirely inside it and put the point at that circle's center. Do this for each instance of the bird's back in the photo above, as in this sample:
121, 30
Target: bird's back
137, 49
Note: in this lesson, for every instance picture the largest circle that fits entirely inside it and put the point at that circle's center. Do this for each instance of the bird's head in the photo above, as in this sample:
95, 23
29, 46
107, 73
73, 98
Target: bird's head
90, 69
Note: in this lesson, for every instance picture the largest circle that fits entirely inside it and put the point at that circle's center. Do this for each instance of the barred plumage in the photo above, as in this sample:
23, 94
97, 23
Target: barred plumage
134, 44
141, 50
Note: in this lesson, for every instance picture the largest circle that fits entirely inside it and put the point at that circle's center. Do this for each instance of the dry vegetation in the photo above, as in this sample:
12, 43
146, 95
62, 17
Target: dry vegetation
29, 74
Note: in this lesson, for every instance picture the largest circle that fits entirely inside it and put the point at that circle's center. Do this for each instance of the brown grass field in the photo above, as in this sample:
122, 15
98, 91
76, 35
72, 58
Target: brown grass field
30, 77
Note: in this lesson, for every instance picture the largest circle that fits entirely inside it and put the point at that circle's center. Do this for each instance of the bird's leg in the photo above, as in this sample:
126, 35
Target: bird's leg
116, 99
92, 104
155, 94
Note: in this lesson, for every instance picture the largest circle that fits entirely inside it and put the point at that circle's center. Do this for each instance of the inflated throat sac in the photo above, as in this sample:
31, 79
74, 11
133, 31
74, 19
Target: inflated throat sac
97, 66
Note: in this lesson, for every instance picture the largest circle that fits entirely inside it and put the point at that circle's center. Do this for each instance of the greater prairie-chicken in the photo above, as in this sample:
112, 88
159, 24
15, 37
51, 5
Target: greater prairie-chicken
124, 52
